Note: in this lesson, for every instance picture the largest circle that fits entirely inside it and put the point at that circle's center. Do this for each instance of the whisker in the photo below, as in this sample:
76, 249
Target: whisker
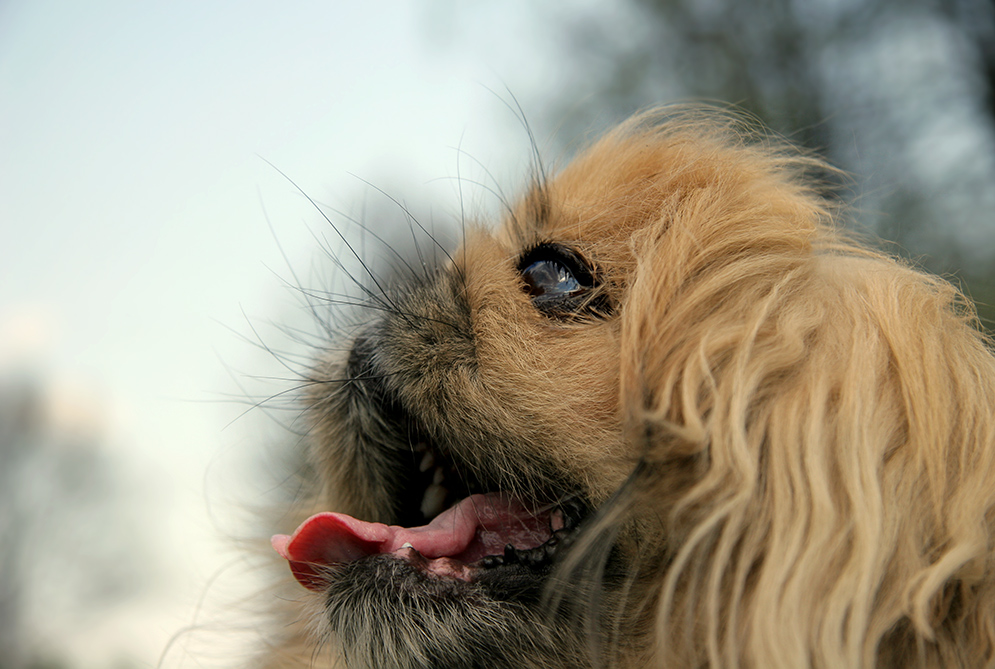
410, 216
338, 232
369, 231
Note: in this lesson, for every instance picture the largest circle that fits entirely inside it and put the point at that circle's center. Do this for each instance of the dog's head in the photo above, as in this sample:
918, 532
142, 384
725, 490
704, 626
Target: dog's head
663, 412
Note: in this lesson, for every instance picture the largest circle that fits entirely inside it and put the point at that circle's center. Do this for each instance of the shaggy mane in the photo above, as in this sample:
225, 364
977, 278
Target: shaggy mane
818, 455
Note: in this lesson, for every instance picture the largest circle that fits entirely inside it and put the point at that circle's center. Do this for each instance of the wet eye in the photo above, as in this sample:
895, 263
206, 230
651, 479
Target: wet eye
559, 281
545, 279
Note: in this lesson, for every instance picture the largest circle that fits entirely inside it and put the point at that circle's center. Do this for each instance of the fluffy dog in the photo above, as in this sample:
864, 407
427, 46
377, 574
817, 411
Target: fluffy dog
665, 414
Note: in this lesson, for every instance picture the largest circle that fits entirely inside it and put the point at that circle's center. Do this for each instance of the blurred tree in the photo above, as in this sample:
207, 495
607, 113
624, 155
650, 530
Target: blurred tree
71, 540
19, 414
899, 93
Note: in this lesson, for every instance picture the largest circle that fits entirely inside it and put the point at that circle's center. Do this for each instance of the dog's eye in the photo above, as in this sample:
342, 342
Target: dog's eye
558, 280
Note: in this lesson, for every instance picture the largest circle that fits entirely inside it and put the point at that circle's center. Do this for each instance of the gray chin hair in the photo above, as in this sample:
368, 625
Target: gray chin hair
384, 613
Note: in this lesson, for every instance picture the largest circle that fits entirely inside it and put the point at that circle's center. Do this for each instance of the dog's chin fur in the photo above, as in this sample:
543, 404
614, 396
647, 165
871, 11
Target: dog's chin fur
777, 446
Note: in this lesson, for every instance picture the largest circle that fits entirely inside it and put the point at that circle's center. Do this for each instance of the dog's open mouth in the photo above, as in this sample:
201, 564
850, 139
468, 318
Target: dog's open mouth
480, 532
483, 531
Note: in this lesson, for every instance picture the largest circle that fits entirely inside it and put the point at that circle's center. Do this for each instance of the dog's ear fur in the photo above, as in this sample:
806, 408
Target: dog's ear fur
813, 420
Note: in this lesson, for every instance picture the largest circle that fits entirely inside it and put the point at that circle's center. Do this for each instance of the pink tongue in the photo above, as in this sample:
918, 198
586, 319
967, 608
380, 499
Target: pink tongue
476, 527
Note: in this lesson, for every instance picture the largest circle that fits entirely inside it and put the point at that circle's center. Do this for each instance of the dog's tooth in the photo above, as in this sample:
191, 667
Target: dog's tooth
439, 476
420, 447
433, 503
427, 461
557, 520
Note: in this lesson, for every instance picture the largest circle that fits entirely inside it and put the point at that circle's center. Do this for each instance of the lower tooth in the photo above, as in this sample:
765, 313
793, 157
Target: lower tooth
433, 501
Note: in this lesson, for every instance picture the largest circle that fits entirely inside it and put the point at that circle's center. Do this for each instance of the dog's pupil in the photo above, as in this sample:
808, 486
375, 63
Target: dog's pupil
545, 277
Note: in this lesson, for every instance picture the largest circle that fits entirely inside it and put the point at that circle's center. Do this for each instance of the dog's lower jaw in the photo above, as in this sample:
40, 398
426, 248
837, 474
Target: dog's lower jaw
384, 612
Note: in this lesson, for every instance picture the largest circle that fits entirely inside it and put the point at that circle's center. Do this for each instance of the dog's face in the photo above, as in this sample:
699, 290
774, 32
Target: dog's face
486, 395
566, 446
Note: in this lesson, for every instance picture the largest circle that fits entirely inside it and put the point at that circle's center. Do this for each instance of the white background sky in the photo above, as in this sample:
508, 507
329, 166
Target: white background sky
132, 226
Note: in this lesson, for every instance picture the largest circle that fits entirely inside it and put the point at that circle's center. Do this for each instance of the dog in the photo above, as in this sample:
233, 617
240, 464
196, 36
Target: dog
667, 413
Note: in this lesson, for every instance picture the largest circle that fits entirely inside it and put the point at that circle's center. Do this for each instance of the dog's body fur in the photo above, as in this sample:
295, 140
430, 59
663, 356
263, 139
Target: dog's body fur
784, 442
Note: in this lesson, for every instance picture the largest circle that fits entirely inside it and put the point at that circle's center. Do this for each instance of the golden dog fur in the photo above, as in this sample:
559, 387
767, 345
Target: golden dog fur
786, 439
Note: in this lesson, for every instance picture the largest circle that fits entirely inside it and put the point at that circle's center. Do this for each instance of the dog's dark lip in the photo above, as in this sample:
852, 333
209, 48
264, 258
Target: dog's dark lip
571, 514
